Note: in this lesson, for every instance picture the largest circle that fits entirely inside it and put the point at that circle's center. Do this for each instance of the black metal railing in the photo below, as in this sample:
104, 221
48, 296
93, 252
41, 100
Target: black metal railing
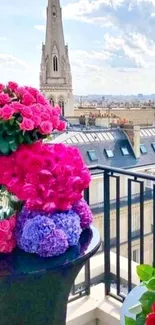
113, 280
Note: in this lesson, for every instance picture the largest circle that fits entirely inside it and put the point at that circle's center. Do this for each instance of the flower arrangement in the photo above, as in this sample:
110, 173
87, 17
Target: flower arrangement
45, 180
25, 117
146, 306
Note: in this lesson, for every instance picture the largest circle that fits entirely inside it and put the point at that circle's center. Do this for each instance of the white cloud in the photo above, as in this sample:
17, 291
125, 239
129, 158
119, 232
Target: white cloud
10, 60
40, 27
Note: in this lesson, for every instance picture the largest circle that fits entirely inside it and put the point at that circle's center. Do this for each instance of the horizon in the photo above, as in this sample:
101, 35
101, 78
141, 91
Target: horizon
111, 44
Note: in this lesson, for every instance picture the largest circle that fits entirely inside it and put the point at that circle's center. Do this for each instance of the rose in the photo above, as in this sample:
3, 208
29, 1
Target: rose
7, 246
1, 88
12, 85
27, 99
41, 99
150, 319
37, 120
27, 124
5, 231
46, 127
4, 99
61, 126
26, 111
6, 112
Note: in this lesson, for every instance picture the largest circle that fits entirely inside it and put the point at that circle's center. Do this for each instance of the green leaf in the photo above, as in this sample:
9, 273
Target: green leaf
147, 300
140, 319
27, 138
4, 146
129, 321
145, 272
151, 284
13, 146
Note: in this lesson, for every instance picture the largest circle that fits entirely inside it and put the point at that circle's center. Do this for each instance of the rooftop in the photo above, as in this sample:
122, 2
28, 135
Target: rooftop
111, 147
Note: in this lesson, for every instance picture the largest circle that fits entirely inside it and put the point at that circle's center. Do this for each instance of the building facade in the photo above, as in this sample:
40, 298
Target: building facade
129, 149
55, 72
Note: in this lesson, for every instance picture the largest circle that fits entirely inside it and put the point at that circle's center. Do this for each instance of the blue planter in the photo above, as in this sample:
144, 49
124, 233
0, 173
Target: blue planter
34, 290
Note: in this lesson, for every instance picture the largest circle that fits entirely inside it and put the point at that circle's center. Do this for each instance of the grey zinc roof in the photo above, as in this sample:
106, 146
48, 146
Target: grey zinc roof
113, 139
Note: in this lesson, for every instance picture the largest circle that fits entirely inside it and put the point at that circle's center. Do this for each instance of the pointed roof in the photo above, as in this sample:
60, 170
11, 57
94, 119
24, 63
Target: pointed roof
54, 28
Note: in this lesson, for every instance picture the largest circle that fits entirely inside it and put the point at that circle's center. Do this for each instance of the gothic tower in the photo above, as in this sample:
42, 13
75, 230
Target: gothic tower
55, 73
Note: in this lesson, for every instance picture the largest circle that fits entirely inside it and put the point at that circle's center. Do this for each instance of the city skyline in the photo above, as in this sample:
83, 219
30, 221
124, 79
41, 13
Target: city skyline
111, 44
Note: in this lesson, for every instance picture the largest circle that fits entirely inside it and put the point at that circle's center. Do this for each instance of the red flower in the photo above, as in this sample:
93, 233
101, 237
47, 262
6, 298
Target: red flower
61, 126
4, 99
150, 320
6, 112
1, 87
7, 238
12, 85
46, 127
27, 124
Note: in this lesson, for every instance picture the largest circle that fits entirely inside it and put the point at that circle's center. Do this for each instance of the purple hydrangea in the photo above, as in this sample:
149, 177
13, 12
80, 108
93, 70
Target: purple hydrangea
83, 210
41, 236
47, 234
22, 217
53, 245
69, 222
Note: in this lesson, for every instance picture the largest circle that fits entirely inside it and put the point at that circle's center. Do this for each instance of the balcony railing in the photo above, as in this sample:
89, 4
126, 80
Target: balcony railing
115, 243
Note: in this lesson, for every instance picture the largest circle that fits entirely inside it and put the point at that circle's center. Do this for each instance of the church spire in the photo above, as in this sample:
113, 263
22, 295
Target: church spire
55, 66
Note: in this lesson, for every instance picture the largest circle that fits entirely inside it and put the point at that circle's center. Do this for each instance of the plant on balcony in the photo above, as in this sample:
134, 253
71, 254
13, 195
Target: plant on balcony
25, 117
144, 312
47, 180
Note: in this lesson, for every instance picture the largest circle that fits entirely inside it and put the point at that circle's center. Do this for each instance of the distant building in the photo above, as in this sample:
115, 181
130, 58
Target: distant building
129, 148
55, 72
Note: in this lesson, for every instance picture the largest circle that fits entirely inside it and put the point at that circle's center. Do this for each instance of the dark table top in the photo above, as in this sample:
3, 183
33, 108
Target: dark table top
20, 263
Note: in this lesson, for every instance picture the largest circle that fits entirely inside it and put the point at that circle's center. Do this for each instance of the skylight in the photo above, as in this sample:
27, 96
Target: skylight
125, 151
109, 153
153, 145
143, 149
92, 155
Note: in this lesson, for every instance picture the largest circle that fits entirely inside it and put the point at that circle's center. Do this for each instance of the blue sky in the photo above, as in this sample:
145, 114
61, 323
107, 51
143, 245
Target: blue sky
111, 43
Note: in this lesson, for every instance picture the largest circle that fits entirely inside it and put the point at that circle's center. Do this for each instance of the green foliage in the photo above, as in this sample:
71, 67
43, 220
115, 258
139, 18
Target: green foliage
140, 319
151, 284
147, 300
145, 272
11, 136
9, 204
129, 321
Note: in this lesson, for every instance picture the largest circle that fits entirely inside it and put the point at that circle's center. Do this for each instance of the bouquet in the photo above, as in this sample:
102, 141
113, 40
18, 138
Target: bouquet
45, 180
145, 311
25, 117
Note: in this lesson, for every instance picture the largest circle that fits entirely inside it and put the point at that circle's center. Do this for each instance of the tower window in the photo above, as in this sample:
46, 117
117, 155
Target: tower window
55, 63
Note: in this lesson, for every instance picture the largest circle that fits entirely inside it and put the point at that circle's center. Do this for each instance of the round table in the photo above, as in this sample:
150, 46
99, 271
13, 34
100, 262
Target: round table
35, 290
131, 300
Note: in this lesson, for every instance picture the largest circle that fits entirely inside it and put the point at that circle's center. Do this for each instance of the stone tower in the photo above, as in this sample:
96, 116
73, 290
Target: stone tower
55, 73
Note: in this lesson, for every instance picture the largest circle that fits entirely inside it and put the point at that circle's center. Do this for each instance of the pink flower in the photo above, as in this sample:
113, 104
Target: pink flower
61, 126
37, 120
1, 88
12, 85
16, 106
6, 112
41, 99
33, 91
46, 127
20, 91
4, 99
58, 110
26, 111
27, 99
27, 124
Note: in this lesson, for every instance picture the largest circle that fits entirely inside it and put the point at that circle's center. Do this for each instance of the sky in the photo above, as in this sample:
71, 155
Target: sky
111, 44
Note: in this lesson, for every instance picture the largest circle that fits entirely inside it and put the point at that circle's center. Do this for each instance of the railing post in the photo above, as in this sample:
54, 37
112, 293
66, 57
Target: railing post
107, 232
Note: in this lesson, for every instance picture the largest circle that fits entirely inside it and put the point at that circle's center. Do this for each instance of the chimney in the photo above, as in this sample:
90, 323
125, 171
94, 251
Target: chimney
133, 134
